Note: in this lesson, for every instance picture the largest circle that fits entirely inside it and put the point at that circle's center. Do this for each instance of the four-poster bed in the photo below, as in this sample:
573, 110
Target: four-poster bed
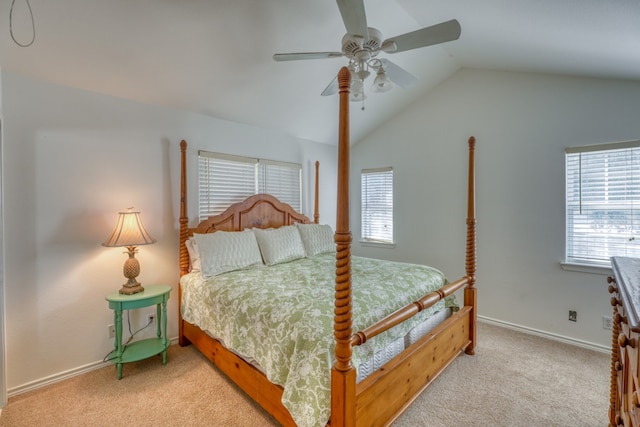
386, 392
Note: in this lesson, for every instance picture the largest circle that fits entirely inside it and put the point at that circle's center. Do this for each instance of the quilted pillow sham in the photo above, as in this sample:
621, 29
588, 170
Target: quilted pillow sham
225, 251
317, 238
279, 245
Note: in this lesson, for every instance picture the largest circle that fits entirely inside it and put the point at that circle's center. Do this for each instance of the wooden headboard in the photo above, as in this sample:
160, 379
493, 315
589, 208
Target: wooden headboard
259, 211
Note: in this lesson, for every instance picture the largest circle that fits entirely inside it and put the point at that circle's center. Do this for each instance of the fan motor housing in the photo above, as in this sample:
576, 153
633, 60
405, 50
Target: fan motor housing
353, 45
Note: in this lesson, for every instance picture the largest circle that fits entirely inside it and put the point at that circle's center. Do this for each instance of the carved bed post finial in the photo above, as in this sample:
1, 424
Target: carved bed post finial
470, 263
343, 374
470, 293
184, 220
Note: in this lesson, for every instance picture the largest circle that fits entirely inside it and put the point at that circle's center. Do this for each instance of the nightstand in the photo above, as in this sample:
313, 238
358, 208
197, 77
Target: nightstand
138, 350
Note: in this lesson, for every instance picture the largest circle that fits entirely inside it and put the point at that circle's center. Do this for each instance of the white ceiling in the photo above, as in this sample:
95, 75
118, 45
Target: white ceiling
215, 57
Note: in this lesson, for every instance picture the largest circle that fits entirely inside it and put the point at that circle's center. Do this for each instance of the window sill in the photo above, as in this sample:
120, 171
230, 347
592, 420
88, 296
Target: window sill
377, 244
585, 268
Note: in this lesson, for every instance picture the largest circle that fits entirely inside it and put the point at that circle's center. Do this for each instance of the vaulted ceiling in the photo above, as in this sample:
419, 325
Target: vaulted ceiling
215, 56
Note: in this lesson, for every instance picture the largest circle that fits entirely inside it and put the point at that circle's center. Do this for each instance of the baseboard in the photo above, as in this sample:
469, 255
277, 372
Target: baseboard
98, 365
42, 382
544, 334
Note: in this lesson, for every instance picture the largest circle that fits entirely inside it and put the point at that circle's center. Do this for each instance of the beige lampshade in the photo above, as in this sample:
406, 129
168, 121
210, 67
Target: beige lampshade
129, 231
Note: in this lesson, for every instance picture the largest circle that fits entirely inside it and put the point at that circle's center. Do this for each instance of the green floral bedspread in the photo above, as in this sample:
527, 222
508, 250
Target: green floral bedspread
283, 318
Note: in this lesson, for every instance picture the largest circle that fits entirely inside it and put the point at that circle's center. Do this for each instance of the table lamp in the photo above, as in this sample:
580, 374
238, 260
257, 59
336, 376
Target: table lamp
129, 233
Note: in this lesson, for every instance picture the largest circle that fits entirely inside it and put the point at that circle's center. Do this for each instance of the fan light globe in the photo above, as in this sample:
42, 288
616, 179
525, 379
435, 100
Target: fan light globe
382, 83
357, 90
357, 96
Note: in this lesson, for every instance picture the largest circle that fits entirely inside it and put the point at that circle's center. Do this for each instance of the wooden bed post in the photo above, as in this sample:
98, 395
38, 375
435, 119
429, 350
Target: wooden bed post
470, 292
184, 222
343, 374
316, 205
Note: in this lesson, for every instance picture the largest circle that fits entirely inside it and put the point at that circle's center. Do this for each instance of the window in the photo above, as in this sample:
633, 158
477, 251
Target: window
603, 203
377, 205
281, 180
226, 179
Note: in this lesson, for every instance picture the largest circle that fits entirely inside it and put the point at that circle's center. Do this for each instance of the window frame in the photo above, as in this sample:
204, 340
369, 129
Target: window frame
245, 181
372, 208
602, 189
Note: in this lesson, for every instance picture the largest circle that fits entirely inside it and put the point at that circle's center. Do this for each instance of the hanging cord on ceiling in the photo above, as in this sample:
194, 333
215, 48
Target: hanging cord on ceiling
33, 25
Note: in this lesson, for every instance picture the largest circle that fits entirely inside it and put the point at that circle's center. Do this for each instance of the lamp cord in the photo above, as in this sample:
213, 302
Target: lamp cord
33, 25
132, 334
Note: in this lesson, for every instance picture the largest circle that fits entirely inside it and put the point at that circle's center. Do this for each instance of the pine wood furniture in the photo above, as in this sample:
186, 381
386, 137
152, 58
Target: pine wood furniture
157, 295
383, 396
624, 408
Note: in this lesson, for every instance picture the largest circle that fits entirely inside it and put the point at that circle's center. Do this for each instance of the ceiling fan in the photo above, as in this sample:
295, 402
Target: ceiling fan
362, 45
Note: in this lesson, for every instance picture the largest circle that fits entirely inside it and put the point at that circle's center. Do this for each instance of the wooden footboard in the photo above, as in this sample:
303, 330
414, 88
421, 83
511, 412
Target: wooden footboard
384, 395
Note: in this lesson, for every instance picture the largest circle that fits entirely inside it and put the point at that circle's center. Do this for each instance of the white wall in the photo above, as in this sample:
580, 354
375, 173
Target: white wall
3, 370
72, 160
522, 123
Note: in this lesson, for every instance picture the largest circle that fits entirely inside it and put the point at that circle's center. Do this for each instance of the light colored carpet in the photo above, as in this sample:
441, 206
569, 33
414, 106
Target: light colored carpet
513, 380
517, 380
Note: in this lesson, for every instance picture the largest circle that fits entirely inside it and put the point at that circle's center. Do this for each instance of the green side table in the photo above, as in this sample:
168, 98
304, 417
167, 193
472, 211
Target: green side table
138, 350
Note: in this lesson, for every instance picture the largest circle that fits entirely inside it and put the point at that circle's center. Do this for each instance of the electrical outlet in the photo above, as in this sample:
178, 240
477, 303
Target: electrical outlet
607, 322
573, 315
111, 331
151, 319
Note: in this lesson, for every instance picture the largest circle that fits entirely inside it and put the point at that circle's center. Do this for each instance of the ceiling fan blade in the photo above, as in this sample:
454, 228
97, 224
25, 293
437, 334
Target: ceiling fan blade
354, 17
332, 89
439, 33
306, 55
398, 75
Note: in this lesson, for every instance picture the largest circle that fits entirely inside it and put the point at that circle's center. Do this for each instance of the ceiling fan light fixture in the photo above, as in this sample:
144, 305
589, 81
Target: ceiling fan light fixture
357, 96
357, 90
382, 83
363, 73
356, 85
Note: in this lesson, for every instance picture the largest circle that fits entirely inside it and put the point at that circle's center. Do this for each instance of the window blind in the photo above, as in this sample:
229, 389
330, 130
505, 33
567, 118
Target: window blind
602, 202
222, 181
225, 179
377, 205
282, 180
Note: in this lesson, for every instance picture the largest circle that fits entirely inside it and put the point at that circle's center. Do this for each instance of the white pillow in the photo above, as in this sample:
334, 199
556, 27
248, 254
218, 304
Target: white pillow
194, 258
279, 245
317, 238
225, 251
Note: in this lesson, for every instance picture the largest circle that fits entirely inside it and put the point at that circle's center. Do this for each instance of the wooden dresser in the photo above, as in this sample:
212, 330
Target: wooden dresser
624, 406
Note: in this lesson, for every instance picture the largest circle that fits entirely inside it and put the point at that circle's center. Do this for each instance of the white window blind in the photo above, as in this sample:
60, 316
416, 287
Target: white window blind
602, 202
377, 205
226, 179
283, 180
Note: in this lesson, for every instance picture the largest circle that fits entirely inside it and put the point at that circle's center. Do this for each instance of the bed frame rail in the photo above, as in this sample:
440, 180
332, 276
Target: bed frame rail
407, 312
